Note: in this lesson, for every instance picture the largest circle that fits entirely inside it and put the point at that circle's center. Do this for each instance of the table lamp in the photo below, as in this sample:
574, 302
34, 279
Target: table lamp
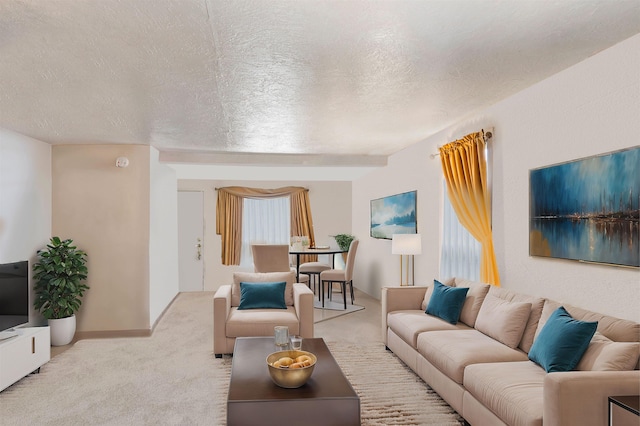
406, 245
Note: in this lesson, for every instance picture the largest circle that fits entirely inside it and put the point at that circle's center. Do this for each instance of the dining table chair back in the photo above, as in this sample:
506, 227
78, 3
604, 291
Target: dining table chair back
343, 277
273, 258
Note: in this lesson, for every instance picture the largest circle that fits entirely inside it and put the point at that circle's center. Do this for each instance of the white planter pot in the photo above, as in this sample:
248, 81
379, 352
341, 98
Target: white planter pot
62, 330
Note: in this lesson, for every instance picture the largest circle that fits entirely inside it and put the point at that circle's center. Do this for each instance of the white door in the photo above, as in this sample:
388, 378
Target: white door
190, 240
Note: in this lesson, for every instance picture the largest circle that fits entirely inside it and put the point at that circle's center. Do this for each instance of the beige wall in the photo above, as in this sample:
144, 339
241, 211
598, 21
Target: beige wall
330, 206
588, 109
105, 210
25, 200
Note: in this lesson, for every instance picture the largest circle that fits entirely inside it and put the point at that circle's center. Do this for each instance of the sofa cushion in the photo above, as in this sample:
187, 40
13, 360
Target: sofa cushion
513, 391
616, 329
536, 310
263, 277
409, 324
473, 302
603, 354
503, 320
260, 322
446, 302
262, 295
452, 350
561, 342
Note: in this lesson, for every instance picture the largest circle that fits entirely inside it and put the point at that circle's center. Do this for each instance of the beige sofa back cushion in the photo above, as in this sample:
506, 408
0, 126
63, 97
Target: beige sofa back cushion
603, 354
472, 304
534, 316
503, 320
616, 329
263, 277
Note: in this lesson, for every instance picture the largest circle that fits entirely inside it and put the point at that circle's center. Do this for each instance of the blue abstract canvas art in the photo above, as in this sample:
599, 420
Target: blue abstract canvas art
587, 209
395, 214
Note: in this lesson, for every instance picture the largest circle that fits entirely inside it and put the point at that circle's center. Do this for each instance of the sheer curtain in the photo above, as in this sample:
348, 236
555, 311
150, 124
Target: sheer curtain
265, 221
460, 252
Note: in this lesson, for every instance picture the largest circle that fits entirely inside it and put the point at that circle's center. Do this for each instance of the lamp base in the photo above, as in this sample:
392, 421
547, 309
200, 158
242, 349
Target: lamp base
408, 262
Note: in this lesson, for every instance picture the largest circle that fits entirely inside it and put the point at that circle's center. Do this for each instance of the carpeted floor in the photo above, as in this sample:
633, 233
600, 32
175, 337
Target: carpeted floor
172, 378
333, 310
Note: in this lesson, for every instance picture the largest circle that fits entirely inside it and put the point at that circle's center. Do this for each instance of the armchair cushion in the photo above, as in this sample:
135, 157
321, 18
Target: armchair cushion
262, 295
260, 322
263, 277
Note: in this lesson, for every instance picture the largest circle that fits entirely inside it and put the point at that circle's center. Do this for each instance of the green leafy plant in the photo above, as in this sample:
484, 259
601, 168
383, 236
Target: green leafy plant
59, 275
344, 241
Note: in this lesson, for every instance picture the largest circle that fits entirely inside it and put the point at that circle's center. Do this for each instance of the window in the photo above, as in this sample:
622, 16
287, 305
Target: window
459, 251
266, 221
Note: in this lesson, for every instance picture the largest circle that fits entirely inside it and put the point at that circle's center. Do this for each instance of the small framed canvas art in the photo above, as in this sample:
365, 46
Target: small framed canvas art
395, 214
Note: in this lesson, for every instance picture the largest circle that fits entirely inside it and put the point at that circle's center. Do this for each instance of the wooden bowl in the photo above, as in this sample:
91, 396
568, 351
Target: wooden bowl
286, 377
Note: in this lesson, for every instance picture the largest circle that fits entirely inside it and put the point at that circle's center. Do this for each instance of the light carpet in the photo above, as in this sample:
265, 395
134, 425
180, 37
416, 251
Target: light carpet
332, 310
172, 378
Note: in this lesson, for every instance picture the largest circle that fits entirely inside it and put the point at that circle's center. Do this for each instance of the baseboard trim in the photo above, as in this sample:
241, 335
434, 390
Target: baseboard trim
110, 334
164, 311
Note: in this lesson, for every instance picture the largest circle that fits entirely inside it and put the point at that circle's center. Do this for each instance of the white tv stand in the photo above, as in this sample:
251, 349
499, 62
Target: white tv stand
7, 334
23, 354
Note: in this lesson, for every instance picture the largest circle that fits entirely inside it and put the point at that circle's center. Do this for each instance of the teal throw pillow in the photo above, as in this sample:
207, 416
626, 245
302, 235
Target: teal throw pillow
262, 295
561, 342
447, 302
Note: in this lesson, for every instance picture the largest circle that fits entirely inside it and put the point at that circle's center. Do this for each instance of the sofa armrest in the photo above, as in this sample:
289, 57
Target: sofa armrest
221, 309
581, 397
398, 299
303, 304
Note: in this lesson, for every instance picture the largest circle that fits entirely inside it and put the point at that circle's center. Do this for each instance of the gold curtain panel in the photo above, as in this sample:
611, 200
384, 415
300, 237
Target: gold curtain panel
465, 172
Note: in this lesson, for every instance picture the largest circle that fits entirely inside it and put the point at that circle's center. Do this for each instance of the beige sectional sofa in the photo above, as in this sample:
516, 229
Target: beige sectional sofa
480, 365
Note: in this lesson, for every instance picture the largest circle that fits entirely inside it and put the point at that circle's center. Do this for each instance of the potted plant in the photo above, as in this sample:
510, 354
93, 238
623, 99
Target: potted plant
344, 241
58, 285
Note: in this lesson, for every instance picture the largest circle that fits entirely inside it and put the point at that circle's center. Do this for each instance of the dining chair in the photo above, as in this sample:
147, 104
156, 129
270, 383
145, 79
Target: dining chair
343, 277
313, 270
274, 258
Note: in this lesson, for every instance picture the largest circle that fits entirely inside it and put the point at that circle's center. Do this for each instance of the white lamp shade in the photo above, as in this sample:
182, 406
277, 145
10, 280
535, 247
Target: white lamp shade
406, 244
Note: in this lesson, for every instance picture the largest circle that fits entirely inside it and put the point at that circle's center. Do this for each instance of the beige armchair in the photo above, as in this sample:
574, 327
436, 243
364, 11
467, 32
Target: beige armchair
229, 322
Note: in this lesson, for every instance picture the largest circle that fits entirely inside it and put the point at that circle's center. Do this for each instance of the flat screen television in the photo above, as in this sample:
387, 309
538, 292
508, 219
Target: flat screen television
14, 296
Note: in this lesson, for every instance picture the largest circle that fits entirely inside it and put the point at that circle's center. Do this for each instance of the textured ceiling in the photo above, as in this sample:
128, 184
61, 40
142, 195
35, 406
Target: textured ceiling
346, 78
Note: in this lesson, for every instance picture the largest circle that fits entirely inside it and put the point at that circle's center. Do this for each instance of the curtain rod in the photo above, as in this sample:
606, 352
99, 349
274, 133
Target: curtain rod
306, 189
487, 135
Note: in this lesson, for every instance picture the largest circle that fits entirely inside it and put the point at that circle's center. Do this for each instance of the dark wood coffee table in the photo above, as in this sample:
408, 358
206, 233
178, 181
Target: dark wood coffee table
326, 399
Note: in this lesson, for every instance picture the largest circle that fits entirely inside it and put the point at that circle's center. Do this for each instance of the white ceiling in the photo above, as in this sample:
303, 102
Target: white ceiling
311, 82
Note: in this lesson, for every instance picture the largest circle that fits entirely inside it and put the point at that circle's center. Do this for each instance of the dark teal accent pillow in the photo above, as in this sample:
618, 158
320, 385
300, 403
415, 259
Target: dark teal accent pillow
447, 302
262, 295
561, 342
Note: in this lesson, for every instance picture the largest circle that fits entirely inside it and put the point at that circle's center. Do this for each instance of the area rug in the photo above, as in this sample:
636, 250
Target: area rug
332, 310
172, 378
